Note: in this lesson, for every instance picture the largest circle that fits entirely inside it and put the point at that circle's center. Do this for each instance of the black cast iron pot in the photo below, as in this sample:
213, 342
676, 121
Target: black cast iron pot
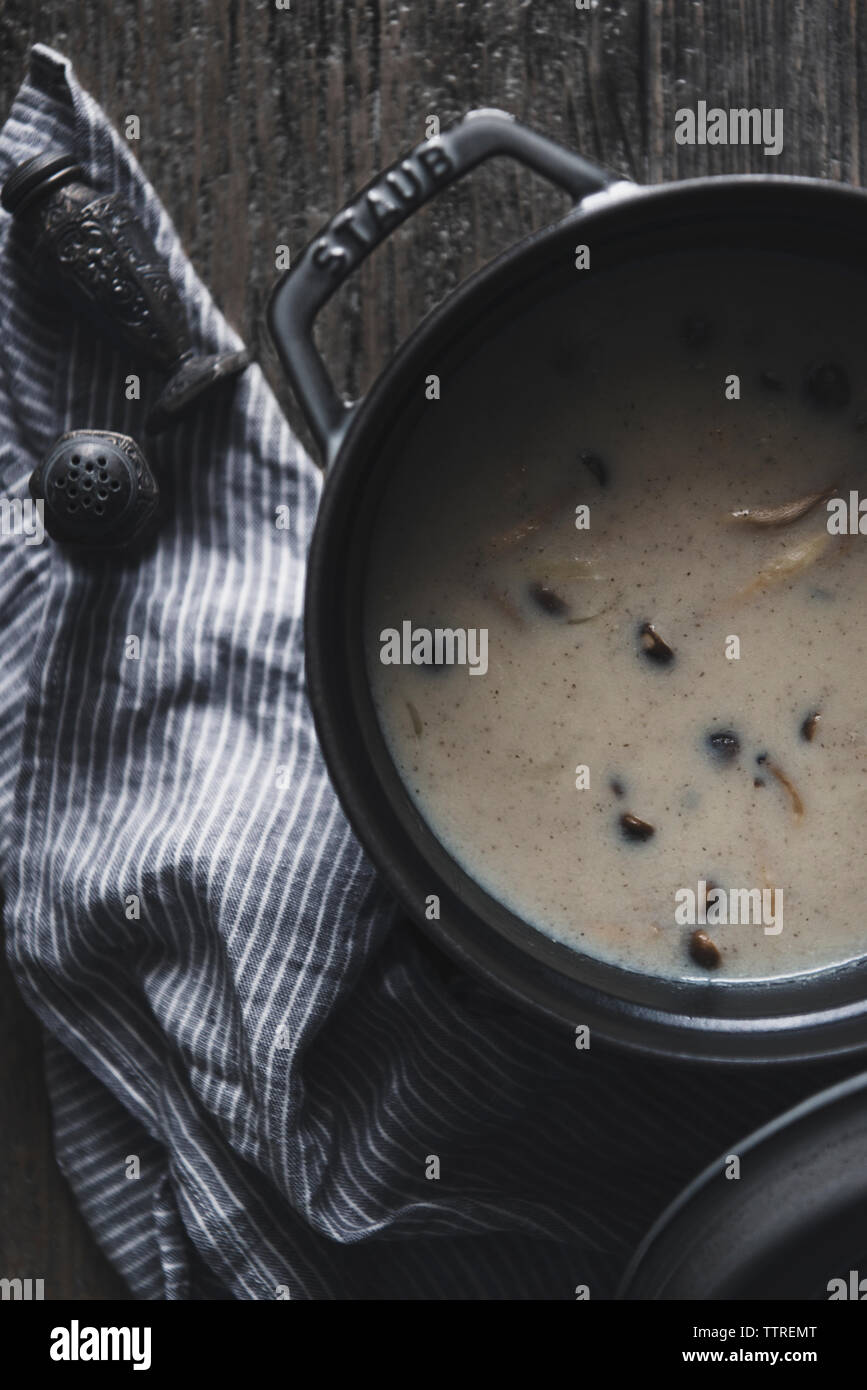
792, 1225
818, 1015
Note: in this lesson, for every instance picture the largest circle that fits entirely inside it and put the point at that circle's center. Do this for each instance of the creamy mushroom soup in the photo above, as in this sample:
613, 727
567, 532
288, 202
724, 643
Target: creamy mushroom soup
629, 494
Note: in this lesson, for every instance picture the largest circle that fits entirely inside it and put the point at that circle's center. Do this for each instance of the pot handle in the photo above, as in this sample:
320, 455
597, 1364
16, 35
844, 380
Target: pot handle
387, 201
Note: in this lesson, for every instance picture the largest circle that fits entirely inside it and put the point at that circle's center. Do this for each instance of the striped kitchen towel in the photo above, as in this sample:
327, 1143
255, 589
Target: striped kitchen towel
265, 1083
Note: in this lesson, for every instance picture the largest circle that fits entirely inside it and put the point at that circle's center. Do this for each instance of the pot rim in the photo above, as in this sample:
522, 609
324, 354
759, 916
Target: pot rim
791, 1119
676, 1034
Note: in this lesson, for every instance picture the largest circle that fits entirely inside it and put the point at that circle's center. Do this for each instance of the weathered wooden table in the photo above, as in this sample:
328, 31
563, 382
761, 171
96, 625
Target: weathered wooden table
256, 124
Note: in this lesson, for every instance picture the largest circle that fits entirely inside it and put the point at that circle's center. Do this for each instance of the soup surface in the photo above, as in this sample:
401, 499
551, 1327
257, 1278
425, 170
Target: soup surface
675, 692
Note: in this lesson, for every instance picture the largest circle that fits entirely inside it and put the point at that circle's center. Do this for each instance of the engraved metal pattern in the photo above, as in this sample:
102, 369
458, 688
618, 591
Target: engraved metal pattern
106, 259
107, 265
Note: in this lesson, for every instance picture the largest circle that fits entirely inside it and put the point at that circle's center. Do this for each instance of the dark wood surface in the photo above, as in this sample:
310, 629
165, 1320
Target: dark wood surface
258, 123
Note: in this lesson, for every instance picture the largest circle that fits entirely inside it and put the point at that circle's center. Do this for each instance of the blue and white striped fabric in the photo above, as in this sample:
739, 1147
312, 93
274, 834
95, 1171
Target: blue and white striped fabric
279, 1049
